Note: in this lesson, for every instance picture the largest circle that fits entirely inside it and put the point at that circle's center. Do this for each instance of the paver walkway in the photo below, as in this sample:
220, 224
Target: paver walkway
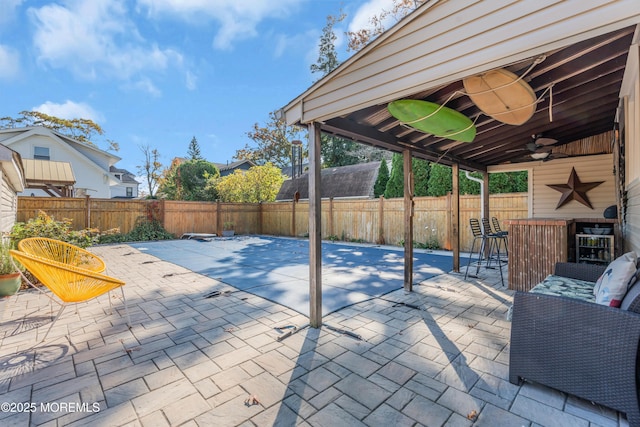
437, 356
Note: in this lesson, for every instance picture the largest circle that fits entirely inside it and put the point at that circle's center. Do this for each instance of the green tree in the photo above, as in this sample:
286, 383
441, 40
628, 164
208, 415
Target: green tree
499, 182
258, 184
440, 182
193, 153
420, 176
382, 179
188, 181
395, 185
468, 186
421, 173
338, 151
82, 130
150, 169
509, 182
327, 55
273, 143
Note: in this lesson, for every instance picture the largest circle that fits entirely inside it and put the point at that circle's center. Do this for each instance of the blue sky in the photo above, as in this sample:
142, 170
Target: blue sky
159, 72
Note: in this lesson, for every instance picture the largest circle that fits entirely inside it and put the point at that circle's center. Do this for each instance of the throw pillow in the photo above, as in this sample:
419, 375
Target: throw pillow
612, 286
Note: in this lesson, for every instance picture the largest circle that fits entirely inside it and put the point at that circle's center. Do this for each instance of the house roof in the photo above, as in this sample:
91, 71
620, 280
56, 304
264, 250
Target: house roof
55, 178
233, 165
12, 167
127, 177
584, 50
38, 172
344, 181
77, 144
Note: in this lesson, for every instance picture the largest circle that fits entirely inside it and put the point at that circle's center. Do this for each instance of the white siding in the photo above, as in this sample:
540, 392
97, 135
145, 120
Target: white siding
88, 175
632, 223
8, 205
631, 97
589, 169
120, 190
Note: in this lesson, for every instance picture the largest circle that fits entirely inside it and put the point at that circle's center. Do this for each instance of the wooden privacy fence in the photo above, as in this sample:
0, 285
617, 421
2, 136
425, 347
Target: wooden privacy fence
367, 220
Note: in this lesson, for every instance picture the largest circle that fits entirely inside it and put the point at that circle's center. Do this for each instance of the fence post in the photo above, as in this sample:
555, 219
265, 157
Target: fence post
218, 218
381, 221
331, 230
162, 213
293, 218
447, 235
87, 209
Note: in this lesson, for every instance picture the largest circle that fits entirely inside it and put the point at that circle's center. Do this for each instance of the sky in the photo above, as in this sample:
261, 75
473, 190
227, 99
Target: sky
160, 72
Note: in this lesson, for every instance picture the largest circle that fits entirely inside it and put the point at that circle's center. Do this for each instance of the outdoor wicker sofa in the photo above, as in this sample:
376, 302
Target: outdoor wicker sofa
576, 346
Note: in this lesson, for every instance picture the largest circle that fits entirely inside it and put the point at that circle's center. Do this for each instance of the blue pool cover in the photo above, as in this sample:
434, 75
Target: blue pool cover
277, 268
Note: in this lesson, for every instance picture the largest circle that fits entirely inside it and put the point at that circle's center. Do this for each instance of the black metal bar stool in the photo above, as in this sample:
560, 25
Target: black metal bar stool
485, 237
502, 234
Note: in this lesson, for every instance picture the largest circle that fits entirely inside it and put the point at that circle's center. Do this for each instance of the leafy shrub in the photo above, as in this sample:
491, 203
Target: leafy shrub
144, 230
44, 225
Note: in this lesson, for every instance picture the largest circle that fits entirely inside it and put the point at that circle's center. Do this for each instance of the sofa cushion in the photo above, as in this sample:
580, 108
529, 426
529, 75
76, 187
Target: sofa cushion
632, 295
618, 277
566, 287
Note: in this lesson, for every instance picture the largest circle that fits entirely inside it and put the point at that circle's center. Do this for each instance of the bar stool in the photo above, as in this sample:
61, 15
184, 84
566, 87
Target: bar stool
485, 236
503, 234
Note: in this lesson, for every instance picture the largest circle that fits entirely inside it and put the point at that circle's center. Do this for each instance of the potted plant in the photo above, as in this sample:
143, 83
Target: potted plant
227, 229
10, 279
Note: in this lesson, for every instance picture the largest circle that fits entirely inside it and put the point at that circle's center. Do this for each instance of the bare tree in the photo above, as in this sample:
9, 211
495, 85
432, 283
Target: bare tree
151, 168
400, 8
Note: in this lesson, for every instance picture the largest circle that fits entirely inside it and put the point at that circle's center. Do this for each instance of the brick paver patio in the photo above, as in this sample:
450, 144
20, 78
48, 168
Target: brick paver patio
201, 353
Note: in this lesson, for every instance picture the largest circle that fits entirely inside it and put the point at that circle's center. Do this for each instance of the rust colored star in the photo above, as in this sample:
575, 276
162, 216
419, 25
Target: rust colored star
574, 190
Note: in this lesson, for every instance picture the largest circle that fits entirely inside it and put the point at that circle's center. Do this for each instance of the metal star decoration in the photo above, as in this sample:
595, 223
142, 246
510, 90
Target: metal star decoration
574, 190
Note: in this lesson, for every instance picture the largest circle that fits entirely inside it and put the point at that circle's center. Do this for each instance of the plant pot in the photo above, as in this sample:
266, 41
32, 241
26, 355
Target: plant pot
9, 284
227, 233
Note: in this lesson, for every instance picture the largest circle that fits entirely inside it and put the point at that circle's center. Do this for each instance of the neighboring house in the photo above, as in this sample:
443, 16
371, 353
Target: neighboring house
343, 181
124, 184
224, 168
93, 169
12, 182
288, 171
229, 168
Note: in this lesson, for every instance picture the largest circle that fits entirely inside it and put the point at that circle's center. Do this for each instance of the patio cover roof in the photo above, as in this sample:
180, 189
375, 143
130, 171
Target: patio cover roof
56, 178
583, 47
580, 49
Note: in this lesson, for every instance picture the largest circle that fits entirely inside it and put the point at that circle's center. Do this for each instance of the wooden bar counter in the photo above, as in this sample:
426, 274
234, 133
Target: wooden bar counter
535, 245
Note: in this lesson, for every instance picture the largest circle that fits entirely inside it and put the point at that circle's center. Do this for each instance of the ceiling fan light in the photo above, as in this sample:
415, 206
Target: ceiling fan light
540, 156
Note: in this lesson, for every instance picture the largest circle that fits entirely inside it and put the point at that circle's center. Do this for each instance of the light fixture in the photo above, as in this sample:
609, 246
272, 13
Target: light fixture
540, 156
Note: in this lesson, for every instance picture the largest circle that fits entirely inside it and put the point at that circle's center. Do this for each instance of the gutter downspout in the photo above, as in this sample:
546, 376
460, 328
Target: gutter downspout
481, 182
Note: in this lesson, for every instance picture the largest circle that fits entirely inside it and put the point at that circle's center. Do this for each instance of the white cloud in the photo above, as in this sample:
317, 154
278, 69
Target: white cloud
70, 110
9, 62
237, 19
146, 85
362, 16
191, 80
96, 39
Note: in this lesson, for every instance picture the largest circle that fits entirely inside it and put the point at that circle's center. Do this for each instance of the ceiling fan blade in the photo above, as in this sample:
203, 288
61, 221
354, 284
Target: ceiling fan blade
545, 141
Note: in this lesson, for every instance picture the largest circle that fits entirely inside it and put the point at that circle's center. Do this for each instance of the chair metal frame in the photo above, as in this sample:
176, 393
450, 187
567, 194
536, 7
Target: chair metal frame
486, 236
57, 250
502, 234
71, 284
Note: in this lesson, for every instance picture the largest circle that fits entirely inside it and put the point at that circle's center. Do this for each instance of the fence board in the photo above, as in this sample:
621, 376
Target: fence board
361, 220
